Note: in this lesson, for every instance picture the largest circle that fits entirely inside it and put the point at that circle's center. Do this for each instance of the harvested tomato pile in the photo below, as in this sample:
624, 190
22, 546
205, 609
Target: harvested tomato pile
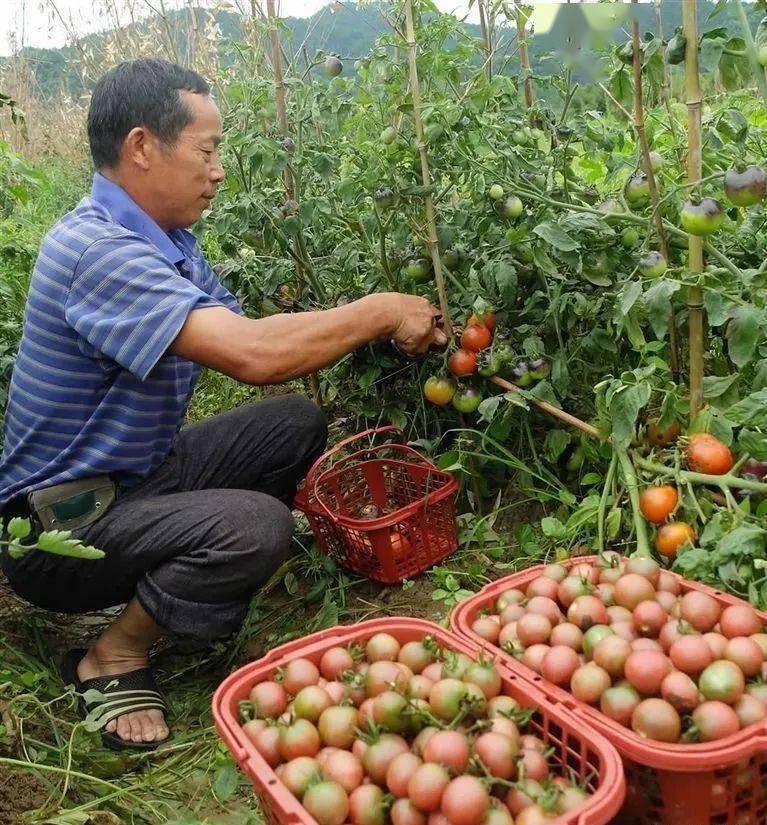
404, 733
621, 636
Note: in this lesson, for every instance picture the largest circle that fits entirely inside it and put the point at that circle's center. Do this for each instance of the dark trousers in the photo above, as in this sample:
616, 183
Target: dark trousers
200, 535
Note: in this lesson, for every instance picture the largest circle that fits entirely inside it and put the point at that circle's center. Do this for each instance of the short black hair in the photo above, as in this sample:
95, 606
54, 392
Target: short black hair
135, 93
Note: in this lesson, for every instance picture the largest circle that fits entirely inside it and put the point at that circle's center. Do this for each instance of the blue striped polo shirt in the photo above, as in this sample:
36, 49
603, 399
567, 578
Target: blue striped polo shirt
93, 389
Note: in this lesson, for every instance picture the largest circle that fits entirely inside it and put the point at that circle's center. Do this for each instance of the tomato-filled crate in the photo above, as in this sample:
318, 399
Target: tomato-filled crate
722, 781
384, 511
583, 781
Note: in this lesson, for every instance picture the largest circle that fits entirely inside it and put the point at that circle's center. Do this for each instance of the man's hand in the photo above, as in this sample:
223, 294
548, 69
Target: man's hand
416, 324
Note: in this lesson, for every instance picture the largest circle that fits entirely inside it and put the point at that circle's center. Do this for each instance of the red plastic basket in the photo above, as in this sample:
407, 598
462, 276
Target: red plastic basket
415, 500
717, 783
586, 753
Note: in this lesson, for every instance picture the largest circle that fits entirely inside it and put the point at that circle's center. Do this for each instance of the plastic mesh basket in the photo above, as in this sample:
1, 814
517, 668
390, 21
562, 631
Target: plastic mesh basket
717, 783
384, 511
573, 748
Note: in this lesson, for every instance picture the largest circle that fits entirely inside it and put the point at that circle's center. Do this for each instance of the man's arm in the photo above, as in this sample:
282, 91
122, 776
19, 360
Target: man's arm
283, 347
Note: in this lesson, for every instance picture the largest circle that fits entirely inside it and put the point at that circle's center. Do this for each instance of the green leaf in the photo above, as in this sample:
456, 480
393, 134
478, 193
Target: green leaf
613, 523
743, 333
555, 443
553, 527
711, 53
19, 528
631, 292
624, 411
750, 411
488, 408
60, 543
657, 302
753, 443
715, 386
553, 234
225, 782
505, 277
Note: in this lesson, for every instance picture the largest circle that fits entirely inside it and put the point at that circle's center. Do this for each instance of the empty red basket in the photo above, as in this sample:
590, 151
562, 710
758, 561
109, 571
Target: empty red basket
717, 783
587, 754
384, 511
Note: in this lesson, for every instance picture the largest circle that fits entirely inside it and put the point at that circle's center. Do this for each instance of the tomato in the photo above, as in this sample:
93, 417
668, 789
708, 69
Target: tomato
513, 613
739, 620
487, 629
388, 135
593, 636
616, 613
439, 390
589, 682
416, 656
269, 699
749, 710
462, 363
501, 706
649, 617
652, 265
497, 814
629, 237
572, 587
646, 670
310, 702
533, 764
722, 680
611, 653
670, 537
449, 748
505, 726
656, 161
456, 665
334, 662
663, 438
333, 67
637, 189
485, 677
389, 711
543, 586
267, 742
497, 753
511, 208
668, 583
715, 720
702, 218
382, 647
367, 806
403, 812
417, 270
400, 769
381, 674
706, 454
587, 611
523, 796
343, 767
298, 739
533, 656
642, 566
625, 629
465, 801
567, 634
495, 192
680, 691
385, 198
668, 601
647, 644
545, 606
327, 802
427, 785
656, 719
618, 703
508, 597
299, 673
380, 754
746, 187
717, 644
298, 773
658, 503
555, 571
559, 664
631, 589
446, 697
700, 610
690, 654
533, 628
476, 337
746, 654
467, 400
487, 320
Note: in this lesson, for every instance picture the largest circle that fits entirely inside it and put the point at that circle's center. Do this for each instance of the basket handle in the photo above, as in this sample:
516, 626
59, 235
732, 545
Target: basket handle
373, 431
405, 448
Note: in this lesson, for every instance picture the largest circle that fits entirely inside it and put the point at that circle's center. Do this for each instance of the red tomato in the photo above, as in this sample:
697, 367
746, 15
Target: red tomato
656, 719
449, 748
462, 363
658, 503
670, 537
476, 337
465, 801
739, 620
706, 454
269, 699
327, 802
646, 670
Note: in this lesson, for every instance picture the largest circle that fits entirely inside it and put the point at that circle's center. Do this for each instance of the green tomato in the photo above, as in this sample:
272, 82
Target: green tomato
389, 135
538, 368
637, 189
656, 161
333, 66
496, 192
417, 270
467, 400
385, 198
761, 55
702, 218
629, 237
492, 361
512, 208
520, 137
520, 375
525, 252
653, 265
747, 187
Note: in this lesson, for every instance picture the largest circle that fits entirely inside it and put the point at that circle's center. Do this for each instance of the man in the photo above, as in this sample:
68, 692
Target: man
122, 312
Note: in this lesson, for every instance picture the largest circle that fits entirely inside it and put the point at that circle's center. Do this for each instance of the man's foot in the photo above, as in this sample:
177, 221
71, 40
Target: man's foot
140, 726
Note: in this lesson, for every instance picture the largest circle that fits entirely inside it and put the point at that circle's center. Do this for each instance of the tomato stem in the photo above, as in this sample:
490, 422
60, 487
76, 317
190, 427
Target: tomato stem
603, 503
727, 480
632, 485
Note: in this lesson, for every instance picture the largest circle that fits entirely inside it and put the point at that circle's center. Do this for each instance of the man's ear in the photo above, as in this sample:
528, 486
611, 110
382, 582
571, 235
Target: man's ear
136, 147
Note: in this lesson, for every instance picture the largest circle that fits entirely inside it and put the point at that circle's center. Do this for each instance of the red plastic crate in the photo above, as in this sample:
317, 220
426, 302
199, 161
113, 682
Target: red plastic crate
716, 783
584, 752
416, 527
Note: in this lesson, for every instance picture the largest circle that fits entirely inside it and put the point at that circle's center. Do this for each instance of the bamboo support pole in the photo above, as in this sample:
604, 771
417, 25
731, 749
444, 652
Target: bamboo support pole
486, 39
694, 170
639, 125
524, 56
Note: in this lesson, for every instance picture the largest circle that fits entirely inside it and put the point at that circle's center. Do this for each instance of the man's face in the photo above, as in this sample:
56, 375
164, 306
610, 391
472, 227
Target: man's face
183, 178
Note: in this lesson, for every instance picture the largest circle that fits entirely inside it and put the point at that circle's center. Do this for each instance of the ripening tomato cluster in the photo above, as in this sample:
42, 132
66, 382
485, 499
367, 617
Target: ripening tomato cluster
407, 734
620, 635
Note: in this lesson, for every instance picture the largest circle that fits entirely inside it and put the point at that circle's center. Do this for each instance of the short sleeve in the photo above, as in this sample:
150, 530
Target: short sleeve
129, 303
208, 280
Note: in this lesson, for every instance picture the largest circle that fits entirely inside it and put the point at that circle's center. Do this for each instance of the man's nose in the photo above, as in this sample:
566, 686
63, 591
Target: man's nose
217, 172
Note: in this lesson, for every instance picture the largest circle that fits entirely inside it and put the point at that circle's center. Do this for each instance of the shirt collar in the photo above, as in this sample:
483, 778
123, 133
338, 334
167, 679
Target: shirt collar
129, 214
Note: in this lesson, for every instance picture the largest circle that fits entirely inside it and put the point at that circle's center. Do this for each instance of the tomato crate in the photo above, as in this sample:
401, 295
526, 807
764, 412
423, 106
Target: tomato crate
384, 511
581, 753
716, 783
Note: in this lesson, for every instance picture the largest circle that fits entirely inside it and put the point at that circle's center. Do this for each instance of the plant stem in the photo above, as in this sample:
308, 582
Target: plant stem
639, 124
724, 481
603, 502
694, 173
756, 67
524, 57
632, 485
486, 41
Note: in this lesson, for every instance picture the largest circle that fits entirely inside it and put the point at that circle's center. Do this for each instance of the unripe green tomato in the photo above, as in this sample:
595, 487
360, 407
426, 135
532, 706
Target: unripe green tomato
389, 135
467, 400
702, 218
512, 208
496, 192
629, 237
653, 265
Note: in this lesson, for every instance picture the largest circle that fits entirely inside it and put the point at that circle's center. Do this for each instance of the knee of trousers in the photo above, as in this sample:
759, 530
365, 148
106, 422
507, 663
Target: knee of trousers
306, 421
264, 534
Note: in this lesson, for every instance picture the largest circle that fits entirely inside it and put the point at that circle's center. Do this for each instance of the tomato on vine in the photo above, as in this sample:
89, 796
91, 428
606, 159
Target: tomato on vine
663, 438
467, 400
703, 218
746, 187
439, 390
658, 503
707, 454
476, 337
487, 320
670, 537
462, 363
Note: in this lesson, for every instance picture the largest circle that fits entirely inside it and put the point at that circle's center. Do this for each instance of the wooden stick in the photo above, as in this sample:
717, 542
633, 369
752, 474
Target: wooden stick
694, 169
639, 125
485, 38
524, 57
563, 416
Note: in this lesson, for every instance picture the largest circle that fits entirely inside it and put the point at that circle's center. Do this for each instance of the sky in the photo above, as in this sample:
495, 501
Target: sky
36, 23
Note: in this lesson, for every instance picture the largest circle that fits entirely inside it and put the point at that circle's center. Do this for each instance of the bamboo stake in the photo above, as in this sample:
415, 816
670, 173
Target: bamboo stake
666, 87
488, 46
756, 67
639, 125
431, 220
524, 57
563, 416
694, 170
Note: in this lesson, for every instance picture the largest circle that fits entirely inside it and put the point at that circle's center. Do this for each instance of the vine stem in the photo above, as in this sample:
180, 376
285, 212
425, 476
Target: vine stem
632, 485
603, 502
757, 68
723, 481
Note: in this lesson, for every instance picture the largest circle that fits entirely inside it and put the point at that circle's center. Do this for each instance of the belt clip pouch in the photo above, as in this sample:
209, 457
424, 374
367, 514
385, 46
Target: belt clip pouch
73, 504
